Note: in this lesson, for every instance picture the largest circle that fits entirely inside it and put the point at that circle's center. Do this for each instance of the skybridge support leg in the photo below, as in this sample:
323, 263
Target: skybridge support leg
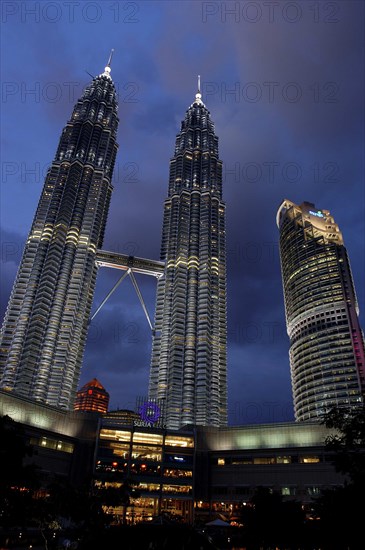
120, 280
133, 279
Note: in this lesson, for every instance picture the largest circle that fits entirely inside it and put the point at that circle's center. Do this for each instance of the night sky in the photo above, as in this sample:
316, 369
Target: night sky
284, 82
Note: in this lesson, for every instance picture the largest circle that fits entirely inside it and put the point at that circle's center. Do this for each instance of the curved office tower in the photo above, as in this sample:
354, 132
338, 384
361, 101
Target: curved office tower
188, 368
45, 326
326, 342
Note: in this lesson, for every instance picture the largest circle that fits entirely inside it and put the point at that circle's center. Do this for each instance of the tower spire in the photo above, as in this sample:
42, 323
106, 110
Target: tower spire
110, 58
107, 69
198, 95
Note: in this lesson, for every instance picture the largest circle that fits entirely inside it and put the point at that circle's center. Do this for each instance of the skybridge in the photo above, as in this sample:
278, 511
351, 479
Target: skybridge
129, 265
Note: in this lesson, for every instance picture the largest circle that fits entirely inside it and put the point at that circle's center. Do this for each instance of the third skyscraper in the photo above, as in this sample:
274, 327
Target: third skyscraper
326, 343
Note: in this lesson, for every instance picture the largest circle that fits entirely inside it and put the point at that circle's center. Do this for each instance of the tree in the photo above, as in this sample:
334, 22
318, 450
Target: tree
13, 451
17, 481
22, 503
347, 446
341, 518
120, 495
339, 511
269, 520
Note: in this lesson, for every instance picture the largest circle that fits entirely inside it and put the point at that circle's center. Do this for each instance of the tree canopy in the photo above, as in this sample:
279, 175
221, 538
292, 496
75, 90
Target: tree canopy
347, 446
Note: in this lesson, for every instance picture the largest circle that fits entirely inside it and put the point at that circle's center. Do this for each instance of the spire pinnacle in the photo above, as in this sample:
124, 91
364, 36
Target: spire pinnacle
107, 69
198, 95
110, 58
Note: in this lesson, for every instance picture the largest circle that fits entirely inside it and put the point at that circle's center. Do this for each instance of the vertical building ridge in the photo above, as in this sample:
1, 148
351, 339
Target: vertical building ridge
45, 326
189, 363
327, 358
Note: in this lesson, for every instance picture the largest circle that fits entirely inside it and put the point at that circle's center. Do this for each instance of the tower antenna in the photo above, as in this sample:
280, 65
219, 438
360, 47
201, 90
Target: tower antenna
107, 69
110, 58
198, 95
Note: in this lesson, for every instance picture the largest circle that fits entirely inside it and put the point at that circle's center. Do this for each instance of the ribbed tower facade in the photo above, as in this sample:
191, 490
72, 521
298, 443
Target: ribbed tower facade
189, 363
44, 331
327, 358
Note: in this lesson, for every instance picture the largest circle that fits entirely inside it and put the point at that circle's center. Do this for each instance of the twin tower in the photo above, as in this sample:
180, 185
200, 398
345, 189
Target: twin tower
45, 327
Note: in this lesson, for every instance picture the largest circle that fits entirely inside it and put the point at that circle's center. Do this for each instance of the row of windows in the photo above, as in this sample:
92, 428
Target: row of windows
301, 459
147, 438
289, 490
145, 469
154, 487
109, 459
54, 444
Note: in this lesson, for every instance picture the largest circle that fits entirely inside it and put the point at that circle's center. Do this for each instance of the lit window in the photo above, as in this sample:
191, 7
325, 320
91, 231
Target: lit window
288, 491
176, 441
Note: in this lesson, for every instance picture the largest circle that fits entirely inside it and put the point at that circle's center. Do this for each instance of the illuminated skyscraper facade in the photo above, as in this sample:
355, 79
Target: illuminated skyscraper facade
327, 358
188, 367
44, 331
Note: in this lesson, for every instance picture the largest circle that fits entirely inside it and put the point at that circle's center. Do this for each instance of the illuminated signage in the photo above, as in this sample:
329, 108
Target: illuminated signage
150, 412
318, 213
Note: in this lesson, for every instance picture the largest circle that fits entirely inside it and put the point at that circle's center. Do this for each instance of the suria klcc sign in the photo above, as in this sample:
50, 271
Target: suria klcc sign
150, 412
318, 213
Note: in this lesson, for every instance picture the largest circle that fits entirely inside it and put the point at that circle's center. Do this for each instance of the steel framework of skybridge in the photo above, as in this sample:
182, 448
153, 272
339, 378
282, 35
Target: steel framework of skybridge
130, 265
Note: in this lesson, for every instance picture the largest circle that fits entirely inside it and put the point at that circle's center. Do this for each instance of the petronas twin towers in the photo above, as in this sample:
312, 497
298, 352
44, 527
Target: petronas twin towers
45, 327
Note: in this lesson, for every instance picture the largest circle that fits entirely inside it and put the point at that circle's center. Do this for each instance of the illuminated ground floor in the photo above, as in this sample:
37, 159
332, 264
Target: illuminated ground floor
146, 509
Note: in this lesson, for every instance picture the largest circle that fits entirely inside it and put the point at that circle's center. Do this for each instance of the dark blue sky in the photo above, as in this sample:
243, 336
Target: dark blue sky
284, 82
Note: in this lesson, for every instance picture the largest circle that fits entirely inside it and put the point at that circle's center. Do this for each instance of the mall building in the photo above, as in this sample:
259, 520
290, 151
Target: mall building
194, 474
